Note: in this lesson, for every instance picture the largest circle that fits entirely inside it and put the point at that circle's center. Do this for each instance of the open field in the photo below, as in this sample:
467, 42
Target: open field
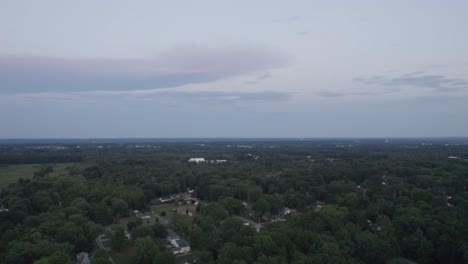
156, 210
181, 208
11, 173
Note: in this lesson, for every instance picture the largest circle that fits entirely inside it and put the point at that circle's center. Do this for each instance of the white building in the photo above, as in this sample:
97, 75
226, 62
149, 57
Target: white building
196, 160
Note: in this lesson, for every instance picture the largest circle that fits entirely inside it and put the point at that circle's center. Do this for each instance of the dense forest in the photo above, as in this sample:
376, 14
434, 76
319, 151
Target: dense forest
309, 201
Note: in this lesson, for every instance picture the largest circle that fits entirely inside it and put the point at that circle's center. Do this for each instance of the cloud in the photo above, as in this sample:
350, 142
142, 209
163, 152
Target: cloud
176, 67
332, 94
167, 95
259, 78
216, 96
285, 19
435, 82
211, 96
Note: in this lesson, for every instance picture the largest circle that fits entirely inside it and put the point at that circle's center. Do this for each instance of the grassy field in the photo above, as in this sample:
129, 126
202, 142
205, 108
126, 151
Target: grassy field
156, 210
168, 207
11, 173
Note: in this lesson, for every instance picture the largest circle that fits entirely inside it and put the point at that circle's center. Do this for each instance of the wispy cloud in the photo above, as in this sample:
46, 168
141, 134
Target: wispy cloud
227, 96
435, 82
259, 78
151, 95
176, 67
332, 94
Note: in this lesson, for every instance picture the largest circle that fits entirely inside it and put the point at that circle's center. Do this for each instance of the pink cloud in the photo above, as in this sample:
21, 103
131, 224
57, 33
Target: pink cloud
175, 67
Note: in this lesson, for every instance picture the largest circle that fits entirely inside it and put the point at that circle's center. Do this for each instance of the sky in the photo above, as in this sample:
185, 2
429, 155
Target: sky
214, 68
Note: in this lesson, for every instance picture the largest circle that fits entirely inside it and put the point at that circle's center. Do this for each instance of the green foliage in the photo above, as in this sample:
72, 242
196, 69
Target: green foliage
142, 231
261, 207
56, 258
379, 203
164, 256
181, 224
134, 222
145, 251
233, 206
118, 239
215, 211
159, 231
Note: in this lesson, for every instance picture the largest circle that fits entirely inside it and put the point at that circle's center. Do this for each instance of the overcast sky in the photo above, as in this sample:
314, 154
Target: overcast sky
111, 68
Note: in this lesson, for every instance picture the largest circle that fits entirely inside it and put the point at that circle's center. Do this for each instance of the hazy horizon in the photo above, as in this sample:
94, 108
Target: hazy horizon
213, 69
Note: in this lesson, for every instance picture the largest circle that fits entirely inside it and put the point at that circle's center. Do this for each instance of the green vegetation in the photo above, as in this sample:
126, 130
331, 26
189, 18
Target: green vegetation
296, 202
11, 173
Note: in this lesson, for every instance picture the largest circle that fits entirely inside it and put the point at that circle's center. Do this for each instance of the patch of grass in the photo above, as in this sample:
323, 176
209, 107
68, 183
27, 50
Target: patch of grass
168, 207
12, 173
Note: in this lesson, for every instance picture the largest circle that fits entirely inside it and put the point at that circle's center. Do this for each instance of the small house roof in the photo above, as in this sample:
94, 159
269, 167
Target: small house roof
182, 243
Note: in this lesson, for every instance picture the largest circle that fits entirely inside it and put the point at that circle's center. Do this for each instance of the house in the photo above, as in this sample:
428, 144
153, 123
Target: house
180, 246
196, 160
172, 237
83, 258
128, 235
183, 246
3, 208
165, 199
319, 205
141, 215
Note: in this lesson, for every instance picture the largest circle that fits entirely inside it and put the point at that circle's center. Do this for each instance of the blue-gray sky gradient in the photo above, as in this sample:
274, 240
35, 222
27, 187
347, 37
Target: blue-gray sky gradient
115, 68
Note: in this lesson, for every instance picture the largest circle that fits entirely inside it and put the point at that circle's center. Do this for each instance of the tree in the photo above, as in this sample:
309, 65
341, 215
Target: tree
164, 256
181, 224
103, 214
56, 258
118, 239
101, 257
119, 207
264, 245
142, 231
233, 206
215, 211
145, 251
134, 222
159, 231
261, 207
231, 253
231, 227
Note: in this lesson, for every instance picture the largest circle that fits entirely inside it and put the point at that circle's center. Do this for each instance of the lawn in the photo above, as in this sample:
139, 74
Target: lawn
11, 173
168, 208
